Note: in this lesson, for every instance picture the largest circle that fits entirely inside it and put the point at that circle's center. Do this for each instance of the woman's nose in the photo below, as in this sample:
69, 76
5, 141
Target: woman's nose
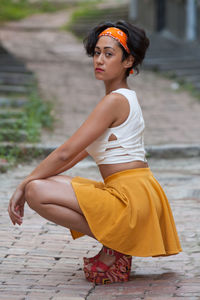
100, 58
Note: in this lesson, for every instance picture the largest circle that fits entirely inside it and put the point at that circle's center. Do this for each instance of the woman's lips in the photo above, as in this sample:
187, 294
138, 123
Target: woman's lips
99, 70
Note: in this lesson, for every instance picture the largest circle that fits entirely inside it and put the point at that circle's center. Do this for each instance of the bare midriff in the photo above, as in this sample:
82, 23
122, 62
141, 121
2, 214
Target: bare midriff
110, 169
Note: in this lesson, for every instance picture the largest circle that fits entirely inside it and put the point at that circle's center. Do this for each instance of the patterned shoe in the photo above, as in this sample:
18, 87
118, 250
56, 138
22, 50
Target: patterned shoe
89, 260
118, 272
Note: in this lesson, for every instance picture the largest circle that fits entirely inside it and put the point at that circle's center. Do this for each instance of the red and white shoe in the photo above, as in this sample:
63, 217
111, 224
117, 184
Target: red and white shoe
89, 260
118, 272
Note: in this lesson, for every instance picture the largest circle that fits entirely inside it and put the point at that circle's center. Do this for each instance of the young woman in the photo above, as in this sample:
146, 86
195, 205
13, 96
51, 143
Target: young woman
128, 212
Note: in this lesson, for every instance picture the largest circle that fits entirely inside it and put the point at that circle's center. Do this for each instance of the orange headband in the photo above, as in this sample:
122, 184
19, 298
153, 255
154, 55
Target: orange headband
118, 35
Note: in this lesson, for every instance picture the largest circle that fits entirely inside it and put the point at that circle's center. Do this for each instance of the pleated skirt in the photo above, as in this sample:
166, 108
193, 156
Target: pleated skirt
128, 212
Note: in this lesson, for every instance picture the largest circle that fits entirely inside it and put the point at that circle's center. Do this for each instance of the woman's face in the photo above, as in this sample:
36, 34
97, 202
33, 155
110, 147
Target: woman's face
107, 59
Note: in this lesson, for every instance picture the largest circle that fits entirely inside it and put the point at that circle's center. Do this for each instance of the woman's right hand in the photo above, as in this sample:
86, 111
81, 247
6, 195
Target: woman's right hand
16, 206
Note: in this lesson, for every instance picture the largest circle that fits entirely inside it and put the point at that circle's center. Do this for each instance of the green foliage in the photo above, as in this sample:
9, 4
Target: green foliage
10, 114
17, 154
90, 14
12, 10
87, 9
186, 86
37, 115
183, 84
18, 9
11, 154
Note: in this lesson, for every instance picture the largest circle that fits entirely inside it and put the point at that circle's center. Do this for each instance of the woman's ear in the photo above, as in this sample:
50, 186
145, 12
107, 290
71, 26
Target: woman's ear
129, 61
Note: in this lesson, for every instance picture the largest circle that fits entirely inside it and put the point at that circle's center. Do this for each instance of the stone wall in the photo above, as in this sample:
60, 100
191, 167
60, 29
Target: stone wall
198, 22
147, 14
176, 17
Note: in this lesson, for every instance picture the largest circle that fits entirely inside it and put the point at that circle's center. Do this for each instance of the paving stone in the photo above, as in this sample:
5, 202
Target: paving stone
64, 297
30, 263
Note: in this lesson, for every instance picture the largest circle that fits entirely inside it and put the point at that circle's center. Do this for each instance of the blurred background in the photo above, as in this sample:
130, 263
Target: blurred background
43, 70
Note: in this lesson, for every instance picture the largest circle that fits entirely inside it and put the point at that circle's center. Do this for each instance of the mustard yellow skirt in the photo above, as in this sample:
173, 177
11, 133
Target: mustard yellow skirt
129, 213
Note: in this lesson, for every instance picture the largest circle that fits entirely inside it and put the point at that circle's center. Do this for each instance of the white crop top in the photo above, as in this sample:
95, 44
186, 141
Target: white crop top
129, 145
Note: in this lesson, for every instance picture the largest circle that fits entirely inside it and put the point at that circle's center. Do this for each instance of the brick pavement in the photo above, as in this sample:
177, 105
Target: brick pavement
39, 260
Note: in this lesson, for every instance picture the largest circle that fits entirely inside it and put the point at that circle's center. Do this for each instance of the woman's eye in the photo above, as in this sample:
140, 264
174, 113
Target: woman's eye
108, 54
96, 52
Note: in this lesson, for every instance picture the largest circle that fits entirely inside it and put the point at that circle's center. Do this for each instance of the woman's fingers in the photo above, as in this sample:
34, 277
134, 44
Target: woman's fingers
13, 218
19, 209
21, 206
16, 201
16, 206
14, 212
22, 211
9, 212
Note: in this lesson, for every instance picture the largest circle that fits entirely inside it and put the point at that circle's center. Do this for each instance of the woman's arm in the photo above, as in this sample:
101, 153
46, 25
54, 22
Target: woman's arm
64, 156
98, 121
74, 161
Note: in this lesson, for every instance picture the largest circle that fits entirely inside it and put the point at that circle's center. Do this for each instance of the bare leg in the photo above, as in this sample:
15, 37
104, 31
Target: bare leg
54, 199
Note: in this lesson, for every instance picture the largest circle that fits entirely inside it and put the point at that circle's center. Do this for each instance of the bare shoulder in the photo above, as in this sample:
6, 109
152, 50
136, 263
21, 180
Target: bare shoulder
119, 101
107, 106
113, 97
111, 101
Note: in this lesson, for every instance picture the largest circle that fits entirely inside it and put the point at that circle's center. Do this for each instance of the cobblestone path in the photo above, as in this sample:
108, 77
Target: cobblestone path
39, 260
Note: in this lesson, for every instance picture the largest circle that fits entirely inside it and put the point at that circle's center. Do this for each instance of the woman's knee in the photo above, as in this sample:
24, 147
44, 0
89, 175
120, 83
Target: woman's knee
32, 193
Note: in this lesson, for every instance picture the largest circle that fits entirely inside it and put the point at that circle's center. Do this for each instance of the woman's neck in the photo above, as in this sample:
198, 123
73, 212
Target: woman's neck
112, 86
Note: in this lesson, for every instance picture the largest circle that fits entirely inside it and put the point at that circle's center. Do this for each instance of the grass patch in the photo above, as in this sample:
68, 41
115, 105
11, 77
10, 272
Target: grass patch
18, 9
89, 14
189, 87
85, 9
13, 155
183, 84
36, 114
88, 10
10, 156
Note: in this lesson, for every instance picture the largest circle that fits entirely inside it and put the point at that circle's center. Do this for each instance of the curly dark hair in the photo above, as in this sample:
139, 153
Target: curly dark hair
137, 41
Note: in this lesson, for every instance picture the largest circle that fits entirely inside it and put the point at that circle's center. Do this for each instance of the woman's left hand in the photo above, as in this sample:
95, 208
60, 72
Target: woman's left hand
16, 206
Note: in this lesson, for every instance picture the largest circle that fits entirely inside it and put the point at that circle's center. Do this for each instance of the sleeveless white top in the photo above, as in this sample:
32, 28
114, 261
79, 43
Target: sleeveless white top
129, 145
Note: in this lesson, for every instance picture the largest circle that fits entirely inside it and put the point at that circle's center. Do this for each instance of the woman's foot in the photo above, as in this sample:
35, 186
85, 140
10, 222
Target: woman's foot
103, 258
111, 266
88, 260
106, 259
